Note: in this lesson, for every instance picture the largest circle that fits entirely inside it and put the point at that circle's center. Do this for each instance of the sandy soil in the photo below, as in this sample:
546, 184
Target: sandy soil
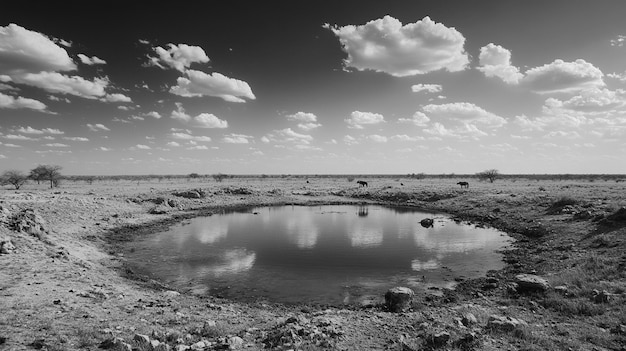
69, 288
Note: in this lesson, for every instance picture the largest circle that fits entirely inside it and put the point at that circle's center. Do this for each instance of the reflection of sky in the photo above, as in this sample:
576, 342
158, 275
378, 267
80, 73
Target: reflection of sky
306, 251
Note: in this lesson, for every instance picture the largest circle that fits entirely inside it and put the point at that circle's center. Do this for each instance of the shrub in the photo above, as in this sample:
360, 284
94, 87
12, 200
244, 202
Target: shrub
13, 177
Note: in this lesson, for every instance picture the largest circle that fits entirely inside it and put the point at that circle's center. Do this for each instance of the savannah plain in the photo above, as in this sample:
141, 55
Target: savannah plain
66, 285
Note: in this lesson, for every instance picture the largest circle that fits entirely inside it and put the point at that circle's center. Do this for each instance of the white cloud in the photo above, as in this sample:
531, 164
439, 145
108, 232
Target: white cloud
17, 137
153, 114
143, 147
595, 99
562, 134
619, 76
203, 120
8, 101
97, 127
237, 139
358, 119
117, 98
377, 138
173, 144
287, 135
198, 147
185, 136
56, 145
438, 129
308, 126
25, 51
55, 98
58, 83
495, 61
76, 138
350, 140
385, 45
419, 119
464, 112
91, 60
209, 120
2, 156
31, 130
303, 117
179, 57
198, 83
404, 137
7, 87
619, 40
563, 77
429, 88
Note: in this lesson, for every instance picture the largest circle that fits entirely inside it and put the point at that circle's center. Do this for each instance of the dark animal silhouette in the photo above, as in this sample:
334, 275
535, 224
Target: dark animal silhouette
363, 211
463, 185
307, 182
361, 183
401, 184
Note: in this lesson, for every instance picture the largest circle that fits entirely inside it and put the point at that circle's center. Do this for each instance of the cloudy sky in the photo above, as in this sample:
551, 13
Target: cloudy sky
292, 87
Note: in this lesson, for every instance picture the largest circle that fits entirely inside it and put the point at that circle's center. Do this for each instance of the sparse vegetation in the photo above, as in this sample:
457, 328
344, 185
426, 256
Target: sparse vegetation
491, 175
219, 177
13, 177
49, 173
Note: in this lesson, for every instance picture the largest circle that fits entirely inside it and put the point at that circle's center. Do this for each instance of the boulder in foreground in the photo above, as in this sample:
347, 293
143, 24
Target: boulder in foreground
399, 299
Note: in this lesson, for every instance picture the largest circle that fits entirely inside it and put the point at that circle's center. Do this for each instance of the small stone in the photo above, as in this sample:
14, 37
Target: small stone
504, 323
600, 296
235, 343
198, 346
561, 289
531, 282
427, 222
399, 299
142, 340
469, 319
181, 348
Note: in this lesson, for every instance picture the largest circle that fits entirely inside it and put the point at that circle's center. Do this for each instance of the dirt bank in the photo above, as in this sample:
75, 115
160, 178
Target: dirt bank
65, 285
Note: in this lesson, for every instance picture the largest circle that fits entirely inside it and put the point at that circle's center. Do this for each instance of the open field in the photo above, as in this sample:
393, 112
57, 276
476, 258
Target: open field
67, 286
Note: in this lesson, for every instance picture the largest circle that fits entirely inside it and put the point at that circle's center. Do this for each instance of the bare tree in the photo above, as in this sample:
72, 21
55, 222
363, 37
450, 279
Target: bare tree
38, 173
490, 174
13, 177
219, 177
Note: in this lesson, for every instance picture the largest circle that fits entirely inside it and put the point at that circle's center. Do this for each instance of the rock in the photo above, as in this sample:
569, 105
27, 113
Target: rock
399, 299
142, 340
235, 343
531, 282
171, 293
181, 348
154, 343
173, 203
29, 221
162, 347
600, 296
200, 345
562, 290
6, 246
439, 339
504, 323
427, 222
190, 194
5, 215
157, 210
469, 319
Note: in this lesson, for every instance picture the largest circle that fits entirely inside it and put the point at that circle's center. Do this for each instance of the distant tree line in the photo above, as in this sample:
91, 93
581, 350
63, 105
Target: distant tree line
48, 173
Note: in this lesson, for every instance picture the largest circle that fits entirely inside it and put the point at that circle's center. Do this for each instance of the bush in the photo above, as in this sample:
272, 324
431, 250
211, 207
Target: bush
13, 177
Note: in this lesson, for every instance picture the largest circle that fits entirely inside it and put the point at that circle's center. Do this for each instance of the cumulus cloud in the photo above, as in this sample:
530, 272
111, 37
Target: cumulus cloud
173, 144
308, 121
419, 119
25, 51
31, 130
619, 76
117, 98
58, 83
404, 137
385, 45
143, 147
429, 88
563, 77
287, 135
358, 119
8, 101
186, 136
57, 145
495, 61
197, 83
97, 127
153, 114
377, 138
465, 112
593, 99
91, 60
203, 120
237, 139
179, 57
619, 40
75, 138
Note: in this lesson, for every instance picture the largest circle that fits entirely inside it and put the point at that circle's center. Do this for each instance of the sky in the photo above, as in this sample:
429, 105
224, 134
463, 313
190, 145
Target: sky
314, 87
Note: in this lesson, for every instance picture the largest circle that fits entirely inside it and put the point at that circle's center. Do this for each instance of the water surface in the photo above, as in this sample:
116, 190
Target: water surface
331, 254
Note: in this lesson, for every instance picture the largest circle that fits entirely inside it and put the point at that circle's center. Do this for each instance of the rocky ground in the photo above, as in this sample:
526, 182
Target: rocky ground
64, 284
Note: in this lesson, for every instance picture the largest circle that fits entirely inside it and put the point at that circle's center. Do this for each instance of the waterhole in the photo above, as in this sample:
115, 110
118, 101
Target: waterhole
331, 254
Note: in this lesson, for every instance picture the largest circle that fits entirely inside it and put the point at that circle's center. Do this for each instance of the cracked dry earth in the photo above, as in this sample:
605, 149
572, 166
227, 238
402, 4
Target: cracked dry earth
67, 287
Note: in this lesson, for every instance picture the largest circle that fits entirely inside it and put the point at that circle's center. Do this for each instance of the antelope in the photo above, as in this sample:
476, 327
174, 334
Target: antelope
361, 183
463, 185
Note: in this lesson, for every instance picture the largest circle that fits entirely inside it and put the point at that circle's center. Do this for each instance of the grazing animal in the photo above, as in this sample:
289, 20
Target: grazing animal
401, 184
361, 183
463, 185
